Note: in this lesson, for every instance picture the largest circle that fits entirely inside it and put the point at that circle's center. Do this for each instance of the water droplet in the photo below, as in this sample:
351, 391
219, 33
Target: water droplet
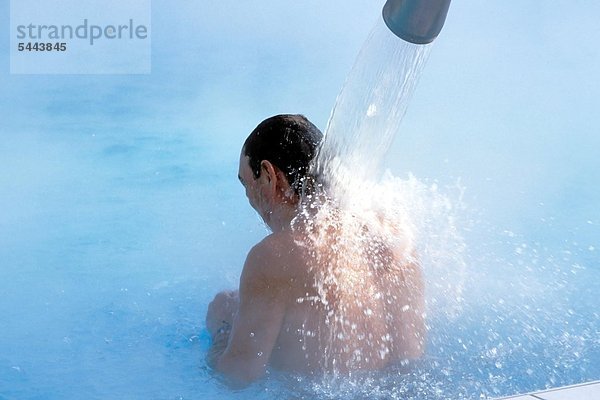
372, 110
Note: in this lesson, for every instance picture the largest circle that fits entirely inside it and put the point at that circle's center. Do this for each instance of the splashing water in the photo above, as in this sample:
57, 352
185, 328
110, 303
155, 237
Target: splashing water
370, 233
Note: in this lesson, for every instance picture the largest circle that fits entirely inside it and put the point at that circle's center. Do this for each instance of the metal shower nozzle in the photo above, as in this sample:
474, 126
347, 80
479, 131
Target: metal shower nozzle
416, 21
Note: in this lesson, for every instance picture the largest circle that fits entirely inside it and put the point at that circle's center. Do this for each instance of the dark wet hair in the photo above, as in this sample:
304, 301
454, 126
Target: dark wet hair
287, 141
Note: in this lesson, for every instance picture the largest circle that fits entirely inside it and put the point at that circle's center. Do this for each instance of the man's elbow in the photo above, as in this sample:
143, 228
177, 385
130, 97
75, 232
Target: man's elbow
239, 373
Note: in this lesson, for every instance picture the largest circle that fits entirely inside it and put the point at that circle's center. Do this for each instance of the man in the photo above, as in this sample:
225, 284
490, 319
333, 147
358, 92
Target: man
318, 293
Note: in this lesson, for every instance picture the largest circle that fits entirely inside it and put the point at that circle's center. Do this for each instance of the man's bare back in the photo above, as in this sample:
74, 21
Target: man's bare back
298, 315
343, 316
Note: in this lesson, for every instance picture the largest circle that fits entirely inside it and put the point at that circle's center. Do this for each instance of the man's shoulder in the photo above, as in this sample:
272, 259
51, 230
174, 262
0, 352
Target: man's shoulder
274, 256
280, 244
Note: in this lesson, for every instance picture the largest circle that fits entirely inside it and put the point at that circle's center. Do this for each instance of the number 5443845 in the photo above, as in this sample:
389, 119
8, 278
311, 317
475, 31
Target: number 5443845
41, 46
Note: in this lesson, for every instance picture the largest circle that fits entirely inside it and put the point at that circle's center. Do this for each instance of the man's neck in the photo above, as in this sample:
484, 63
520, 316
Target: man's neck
281, 219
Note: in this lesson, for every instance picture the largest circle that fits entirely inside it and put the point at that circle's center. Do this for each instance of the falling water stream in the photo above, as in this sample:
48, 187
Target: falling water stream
364, 122
368, 111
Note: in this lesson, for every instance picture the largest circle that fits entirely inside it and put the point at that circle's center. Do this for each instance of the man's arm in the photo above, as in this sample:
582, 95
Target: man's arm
219, 319
258, 321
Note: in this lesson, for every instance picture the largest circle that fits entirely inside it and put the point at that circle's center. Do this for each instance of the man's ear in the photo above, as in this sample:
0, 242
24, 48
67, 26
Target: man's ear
268, 172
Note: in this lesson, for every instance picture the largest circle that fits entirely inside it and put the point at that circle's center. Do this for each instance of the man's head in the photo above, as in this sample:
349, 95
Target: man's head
275, 162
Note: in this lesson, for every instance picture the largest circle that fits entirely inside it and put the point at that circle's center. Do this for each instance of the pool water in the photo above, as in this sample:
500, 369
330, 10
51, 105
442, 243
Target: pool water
115, 244
122, 216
